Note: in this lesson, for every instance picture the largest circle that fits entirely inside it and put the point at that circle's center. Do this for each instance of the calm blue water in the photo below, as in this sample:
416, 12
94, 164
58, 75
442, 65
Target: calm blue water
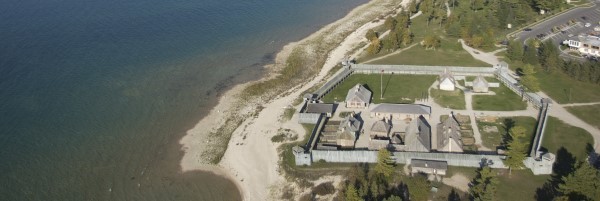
95, 94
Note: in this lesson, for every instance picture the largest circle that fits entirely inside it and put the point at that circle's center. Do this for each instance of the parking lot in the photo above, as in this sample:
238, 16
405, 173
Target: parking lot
579, 17
568, 25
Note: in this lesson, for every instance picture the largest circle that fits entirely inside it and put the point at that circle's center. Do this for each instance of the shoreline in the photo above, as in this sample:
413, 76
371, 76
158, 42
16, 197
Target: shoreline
251, 159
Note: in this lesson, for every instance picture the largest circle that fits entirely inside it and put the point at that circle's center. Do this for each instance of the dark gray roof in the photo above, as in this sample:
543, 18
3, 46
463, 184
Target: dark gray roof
448, 129
402, 108
381, 126
309, 96
424, 132
440, 165
349, 124
319, 108
359, 92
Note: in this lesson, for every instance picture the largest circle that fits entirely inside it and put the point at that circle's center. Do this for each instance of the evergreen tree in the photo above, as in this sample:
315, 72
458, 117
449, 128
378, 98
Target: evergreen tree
390, 23
582, 184
384, 166
374, 47
477, 5
516, 148
441, 15
402, 21
484, 185
407, 37
530, 55
549, 56
371, 35
418, 187
352, 194
431, 42
393, 198
531, 82
412, 6
515, 50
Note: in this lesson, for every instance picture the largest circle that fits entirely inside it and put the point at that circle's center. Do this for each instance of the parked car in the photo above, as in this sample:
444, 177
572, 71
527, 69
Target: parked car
588, 24
570, 35
583, 17
527, 29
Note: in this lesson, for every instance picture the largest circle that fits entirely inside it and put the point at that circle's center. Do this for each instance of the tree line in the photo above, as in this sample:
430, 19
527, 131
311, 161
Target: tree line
399, 34
478, 21
545, 57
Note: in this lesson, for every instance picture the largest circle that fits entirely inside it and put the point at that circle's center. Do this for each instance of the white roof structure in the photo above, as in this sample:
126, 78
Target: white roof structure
359, 93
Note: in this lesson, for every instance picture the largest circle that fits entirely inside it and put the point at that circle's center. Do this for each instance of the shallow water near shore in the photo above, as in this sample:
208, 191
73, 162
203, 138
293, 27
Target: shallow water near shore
95, 95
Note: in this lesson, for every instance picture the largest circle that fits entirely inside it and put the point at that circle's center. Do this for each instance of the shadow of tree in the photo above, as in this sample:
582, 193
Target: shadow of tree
564, 165
453, 196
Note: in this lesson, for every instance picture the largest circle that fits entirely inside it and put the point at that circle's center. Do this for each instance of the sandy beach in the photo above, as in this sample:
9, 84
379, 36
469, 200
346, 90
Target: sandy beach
251, 159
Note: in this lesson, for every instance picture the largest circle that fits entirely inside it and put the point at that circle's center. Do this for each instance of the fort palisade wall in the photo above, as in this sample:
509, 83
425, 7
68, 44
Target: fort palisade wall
453, 159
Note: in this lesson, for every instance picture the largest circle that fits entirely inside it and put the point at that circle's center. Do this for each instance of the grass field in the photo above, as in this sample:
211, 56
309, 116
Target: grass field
564, 89
520, 185
504, 100
574, 139
396, 88
492, 140
588, 113
449, 54
450, 99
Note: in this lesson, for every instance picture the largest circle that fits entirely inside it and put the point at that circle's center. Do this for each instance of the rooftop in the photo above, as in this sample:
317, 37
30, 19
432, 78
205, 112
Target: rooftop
319, 108
360, 92
429, 164
402, 108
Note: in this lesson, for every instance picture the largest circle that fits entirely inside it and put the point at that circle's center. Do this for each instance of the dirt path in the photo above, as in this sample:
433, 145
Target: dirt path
578, 104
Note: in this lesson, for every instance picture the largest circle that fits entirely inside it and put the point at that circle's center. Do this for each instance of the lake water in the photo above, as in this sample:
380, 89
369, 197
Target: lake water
95, 94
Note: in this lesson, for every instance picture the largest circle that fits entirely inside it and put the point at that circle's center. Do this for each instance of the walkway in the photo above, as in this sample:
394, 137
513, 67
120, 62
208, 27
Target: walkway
578, 104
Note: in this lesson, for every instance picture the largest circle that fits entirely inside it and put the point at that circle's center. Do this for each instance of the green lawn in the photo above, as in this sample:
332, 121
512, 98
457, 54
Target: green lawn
396, 88
564, 89
573, 139
588, 113
520, 185
450, 99
449, 54
504, 100
493, 140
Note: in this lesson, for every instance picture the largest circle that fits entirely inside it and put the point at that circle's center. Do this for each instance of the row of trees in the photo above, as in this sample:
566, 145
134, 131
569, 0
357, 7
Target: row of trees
477, 21
546, 58
399, 34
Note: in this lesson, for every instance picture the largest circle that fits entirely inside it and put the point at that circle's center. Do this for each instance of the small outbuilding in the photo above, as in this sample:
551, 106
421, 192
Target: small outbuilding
358, 97
348, 132
447, 81
428, 167
320, 108
480, 85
